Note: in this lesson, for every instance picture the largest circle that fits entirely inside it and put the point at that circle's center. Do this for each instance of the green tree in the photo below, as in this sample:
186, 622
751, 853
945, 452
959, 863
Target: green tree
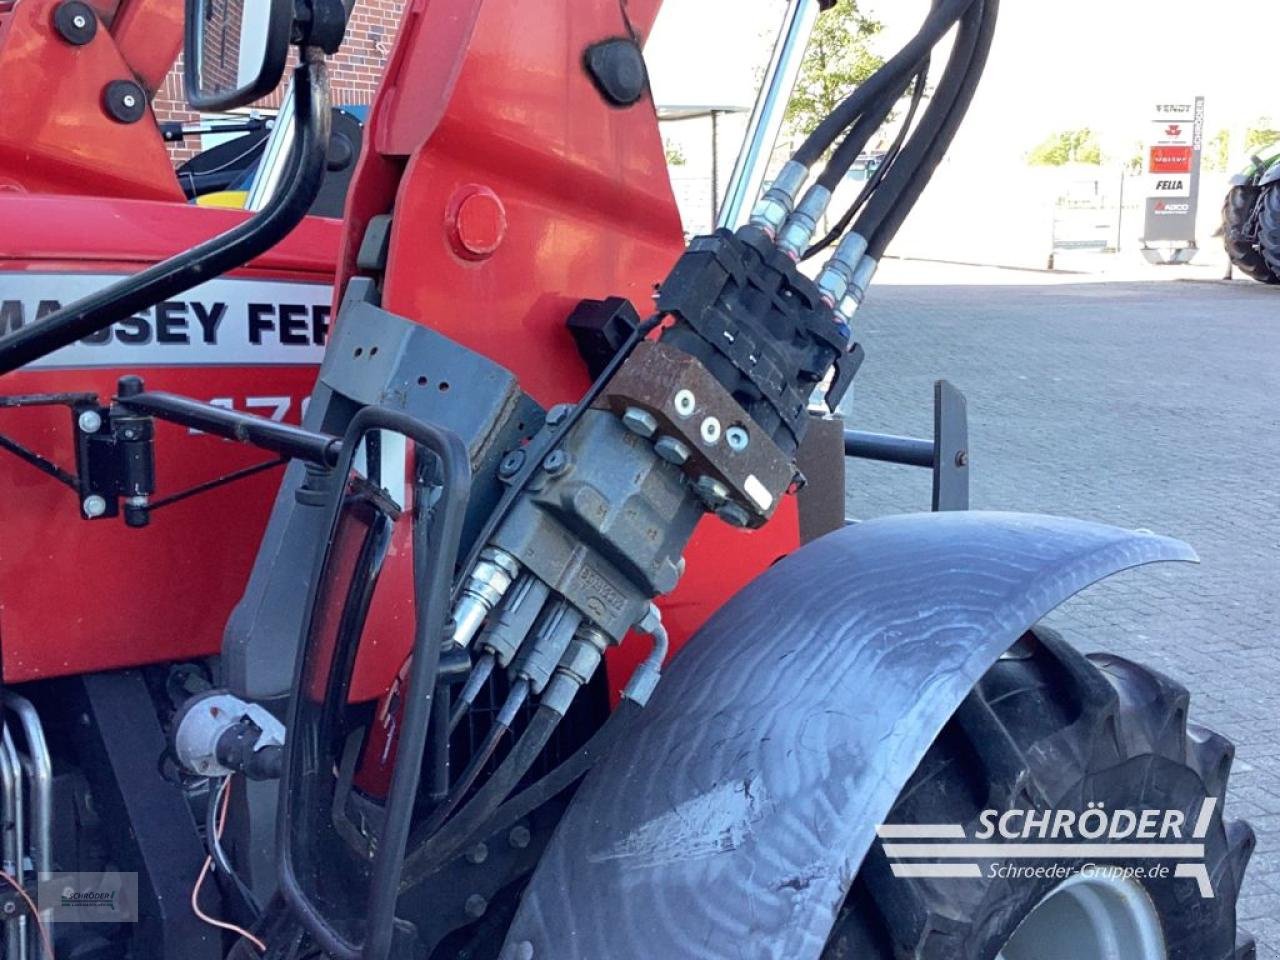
675, 153
839, 59
1217, 151
1067, 146
1261, 135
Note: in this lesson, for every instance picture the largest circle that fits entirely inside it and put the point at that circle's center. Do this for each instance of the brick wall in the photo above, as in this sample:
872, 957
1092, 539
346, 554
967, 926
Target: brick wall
354, 71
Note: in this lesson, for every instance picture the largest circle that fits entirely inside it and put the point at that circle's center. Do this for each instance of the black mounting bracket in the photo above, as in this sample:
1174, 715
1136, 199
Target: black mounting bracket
947, 454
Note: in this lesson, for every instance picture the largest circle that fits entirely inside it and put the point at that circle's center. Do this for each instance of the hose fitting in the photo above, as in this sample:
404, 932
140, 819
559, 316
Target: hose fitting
837, 273
800, 226
858, 284
576, 667
641, 685
490, 579
778, 200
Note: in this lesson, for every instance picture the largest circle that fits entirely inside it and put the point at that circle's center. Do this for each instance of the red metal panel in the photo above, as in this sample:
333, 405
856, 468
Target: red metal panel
149, 36
75, 595
55, 136
588, 209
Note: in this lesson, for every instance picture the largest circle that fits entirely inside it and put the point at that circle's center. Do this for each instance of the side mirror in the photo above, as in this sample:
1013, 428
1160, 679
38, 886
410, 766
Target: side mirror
235, 50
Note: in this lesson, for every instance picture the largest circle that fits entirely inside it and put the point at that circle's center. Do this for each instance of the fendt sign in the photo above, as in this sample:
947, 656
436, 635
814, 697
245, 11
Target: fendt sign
1174, 136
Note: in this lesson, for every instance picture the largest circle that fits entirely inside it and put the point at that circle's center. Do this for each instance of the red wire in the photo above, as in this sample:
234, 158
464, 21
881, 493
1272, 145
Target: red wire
35, 914
224, 802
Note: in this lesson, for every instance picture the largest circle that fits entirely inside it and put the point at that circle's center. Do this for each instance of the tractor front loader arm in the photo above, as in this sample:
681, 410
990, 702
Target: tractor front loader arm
788, 725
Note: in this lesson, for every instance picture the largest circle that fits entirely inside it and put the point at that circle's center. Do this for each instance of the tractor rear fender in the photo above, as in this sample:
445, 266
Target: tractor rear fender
733, 818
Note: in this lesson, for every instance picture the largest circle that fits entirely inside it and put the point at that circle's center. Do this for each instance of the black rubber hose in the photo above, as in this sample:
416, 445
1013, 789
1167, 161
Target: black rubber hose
892, 188
851, 147
896, 70
890, 157
210, 259
566, 774
891, 220
432, 851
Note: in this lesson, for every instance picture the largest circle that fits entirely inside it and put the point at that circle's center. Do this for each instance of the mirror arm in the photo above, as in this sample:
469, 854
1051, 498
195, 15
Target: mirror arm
210, 259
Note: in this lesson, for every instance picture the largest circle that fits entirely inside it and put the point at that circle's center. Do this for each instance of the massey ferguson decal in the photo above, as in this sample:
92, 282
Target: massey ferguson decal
222, 322
1174, 136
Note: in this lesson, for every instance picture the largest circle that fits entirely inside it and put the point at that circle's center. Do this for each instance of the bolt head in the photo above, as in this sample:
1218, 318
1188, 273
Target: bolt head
129, 100
10, 907
710, 431
90, 421
671, 450
511, 464
519, 837
556, 462
640, 422
685, 403
737, 438
80, 21
962, 458
556, 415
475, 906
94, 505
734, 515
478, 853
711, 491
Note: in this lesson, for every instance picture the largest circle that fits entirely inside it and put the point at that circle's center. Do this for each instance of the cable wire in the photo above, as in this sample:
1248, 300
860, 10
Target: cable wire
891, 155
35, 912
213, 840
223, 803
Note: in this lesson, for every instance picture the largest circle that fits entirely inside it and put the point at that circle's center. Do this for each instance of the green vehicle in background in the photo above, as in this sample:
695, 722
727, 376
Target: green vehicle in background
1251, 218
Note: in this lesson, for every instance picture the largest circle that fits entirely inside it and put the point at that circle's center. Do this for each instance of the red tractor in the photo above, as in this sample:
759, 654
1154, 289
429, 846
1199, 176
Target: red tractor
387, 676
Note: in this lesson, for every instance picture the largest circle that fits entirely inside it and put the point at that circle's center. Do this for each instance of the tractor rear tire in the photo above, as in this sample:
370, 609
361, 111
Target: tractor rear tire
1269, 229
1048, 728
1242, 249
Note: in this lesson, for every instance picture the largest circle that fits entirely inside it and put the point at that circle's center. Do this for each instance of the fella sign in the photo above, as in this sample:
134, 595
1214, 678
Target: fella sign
1172, 176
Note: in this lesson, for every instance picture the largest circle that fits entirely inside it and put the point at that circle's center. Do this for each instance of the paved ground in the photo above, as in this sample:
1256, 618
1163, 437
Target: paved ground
1145, 404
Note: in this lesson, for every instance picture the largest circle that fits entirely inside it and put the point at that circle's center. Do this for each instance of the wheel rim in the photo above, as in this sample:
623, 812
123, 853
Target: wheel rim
1090, 918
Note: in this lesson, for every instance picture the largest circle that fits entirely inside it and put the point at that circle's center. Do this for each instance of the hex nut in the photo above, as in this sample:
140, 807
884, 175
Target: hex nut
671, 450
711, 491
640, 422
734, 515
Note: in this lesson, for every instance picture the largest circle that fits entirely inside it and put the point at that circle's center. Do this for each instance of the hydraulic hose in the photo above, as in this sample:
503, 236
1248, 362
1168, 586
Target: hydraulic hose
851, 147
566, 774
890, 157
890, 204
434, 850
210, 259
896, 70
